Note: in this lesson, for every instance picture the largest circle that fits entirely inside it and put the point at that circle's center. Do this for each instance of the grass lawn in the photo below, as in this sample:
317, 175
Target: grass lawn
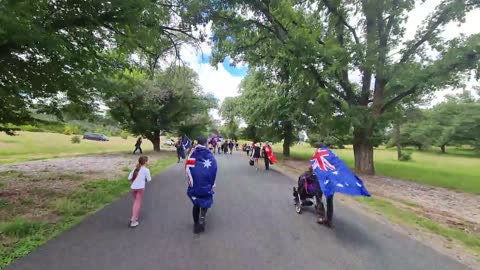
454, 171
19, 236
397, 215
38, 145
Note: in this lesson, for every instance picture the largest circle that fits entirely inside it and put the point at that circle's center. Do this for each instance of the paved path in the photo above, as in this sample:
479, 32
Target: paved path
252, 225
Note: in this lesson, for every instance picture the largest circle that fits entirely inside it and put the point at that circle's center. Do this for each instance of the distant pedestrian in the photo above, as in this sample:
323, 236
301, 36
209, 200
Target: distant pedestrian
225, 147
230, 147
265, 158
247, 148
256, 154
138, 145
180, 150
201, 169
236, 145
139, 176
214, 144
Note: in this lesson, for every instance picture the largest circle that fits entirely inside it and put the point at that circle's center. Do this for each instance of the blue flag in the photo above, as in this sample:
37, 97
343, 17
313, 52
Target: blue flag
334, 175
201, 169
186, 142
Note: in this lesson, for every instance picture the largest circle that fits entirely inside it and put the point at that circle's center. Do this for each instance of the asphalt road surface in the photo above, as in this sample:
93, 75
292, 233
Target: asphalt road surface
252, 225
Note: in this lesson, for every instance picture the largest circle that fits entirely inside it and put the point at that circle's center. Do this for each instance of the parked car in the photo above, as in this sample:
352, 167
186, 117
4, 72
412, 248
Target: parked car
170, 142
95, 137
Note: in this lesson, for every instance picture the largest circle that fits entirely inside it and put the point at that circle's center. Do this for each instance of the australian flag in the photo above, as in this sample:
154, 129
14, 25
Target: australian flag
201, 169
334, 175
186, 142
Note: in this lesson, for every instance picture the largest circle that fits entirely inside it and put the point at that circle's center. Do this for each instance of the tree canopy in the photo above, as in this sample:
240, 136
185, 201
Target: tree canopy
325, 43
454, 122
171, 102
52, 52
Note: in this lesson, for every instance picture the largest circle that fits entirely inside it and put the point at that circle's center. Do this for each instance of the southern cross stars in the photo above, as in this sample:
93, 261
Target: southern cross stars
207, 164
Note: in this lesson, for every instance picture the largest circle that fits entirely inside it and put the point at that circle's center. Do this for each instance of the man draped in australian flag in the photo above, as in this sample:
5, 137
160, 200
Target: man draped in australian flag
334, 176
201, 169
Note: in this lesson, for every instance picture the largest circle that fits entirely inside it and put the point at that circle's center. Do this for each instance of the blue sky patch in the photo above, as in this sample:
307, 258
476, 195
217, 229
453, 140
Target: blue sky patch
235, 71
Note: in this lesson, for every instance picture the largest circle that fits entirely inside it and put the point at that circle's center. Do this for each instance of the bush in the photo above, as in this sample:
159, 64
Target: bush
76, 139
124, 135
405, 156
68, 131
31, 128
20, 228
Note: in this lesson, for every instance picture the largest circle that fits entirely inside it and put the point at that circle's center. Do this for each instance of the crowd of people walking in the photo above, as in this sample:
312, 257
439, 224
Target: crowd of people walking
201, 170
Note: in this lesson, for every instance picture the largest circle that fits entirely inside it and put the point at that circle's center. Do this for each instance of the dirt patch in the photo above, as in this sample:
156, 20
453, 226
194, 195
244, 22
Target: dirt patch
28, 189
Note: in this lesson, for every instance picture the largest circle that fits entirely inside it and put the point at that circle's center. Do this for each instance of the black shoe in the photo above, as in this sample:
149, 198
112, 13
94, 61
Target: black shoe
196, 229
325, 222
202, 224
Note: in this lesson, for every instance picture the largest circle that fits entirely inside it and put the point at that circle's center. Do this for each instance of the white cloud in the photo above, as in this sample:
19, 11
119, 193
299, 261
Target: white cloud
216, 80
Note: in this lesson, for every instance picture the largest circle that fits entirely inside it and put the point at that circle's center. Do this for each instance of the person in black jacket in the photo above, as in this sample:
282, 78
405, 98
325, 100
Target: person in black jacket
256, 154
138, 145
265, 158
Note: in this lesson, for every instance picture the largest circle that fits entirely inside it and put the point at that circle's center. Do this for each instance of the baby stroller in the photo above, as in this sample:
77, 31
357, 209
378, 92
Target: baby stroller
308, 193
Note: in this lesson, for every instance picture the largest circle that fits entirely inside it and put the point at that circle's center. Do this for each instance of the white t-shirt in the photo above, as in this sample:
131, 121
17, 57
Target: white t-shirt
142, 177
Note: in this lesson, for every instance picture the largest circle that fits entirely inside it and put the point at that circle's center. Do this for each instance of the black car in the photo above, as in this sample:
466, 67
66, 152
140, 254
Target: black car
95, 137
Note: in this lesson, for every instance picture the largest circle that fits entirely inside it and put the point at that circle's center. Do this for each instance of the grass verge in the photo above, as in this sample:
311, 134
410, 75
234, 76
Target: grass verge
19, 237
28, 146
397, 215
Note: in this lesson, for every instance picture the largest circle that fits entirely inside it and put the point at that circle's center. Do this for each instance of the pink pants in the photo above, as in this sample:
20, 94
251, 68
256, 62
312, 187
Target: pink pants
137, 202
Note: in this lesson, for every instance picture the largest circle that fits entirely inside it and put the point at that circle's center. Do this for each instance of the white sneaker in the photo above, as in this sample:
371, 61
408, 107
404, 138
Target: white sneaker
134, 224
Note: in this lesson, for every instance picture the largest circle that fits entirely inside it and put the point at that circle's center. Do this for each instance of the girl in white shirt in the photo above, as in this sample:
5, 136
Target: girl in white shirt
139, 176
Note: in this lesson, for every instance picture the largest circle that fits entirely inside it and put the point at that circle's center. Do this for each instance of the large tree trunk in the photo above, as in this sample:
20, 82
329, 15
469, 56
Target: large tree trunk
397, 140
287, 138
155, 139
442, 147
363, 151
286, 149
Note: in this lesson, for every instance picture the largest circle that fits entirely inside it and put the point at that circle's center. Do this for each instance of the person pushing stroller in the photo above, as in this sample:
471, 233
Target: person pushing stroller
308, 188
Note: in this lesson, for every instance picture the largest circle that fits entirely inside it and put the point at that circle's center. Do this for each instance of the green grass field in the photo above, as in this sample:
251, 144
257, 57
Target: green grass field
37, 145
460, 171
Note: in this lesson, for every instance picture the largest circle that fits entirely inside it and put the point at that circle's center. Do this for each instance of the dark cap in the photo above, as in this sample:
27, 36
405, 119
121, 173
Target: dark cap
202, 140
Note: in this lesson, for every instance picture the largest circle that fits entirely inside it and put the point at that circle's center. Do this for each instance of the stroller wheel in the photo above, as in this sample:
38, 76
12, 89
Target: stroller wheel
298, 208
298, 202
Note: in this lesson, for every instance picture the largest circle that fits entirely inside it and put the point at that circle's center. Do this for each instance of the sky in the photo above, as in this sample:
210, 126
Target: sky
223, 80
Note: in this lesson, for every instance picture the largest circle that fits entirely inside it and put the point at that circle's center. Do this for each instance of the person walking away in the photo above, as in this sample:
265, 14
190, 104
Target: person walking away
247, 148
327, 221
214, 144
236, 145
268, 156
201, 169
138, 145
265, 158
179, 147
225, 147
256, 154
230, 147
139, 176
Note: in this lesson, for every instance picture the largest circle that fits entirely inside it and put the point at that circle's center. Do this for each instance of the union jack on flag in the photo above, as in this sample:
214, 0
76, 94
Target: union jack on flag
335, 176
201, 166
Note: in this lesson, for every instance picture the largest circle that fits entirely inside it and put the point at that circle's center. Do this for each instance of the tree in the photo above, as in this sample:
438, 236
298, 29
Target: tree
53, 52
453, 122
168, 103
270, 104
329, 40
230, 112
